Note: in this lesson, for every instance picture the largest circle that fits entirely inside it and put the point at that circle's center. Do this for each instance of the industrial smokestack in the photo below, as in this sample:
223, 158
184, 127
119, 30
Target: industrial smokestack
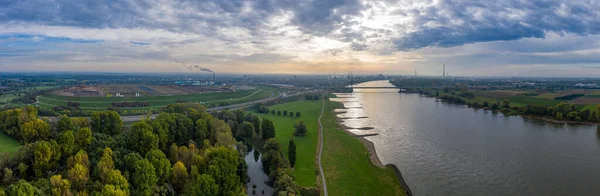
444, 73
213, 77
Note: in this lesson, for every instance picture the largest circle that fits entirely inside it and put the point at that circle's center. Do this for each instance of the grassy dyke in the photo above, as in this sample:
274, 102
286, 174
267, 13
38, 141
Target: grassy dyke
346, 163
306, 147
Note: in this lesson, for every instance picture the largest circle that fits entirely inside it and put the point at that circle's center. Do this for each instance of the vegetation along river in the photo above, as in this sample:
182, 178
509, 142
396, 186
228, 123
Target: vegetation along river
447, 149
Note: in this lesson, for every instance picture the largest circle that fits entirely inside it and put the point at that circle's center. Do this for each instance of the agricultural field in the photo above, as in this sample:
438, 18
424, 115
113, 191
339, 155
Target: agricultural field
498, 94
155, 102
132, 90
8, 144
306, 150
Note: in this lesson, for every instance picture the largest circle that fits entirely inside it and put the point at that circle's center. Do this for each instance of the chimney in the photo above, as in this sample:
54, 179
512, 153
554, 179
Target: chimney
444, 73
213, 77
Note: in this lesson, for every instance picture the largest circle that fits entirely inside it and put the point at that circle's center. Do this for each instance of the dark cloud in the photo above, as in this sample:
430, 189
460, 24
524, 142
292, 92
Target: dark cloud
458, 22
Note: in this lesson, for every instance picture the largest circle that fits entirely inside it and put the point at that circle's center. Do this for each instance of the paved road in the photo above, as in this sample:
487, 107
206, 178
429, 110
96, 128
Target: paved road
321, 150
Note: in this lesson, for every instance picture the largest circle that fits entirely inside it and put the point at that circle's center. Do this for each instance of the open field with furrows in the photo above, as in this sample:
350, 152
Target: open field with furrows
8, 144
552, 95
156, 102
306, 146
346, 163
586, 100
498, 94
130, 90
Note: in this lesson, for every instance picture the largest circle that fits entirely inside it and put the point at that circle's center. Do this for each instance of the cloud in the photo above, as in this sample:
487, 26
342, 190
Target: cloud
456, 22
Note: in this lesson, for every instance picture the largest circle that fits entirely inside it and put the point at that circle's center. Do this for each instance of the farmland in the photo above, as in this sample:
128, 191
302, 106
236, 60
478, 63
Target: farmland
155, 102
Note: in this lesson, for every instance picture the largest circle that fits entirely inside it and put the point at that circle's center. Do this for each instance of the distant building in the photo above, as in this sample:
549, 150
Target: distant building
588, 85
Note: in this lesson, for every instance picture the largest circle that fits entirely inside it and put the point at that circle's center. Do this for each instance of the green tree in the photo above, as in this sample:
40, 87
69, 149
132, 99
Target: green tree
43, 158
107, 122
67, 143
292, 152
83, 138
201, 129
202, 185
285, 112
22, 170
141, 138
111, 190
598, 112
35, 130
180, 176
143, 179
64, 123
278, 112
21, 188
115, 178
559, 115
268, 129
105, 164
297, 114
222, 166
300, 129
79, 175
161, 164
80, 158
60, 186
174, 153
247, 129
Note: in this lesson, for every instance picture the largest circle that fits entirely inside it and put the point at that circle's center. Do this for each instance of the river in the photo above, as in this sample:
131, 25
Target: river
447, 149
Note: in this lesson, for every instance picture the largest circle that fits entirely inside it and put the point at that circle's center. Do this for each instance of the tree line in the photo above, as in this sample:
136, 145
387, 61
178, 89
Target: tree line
560, 111
184, 151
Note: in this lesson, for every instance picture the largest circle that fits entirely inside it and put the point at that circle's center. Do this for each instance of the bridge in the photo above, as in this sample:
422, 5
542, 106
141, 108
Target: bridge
371, 87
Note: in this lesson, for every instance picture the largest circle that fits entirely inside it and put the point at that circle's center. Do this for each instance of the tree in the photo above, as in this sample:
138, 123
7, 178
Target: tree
64, 123
79, 175
272, 112
285, 112
106, 164
80, 158
598, 112
174, 153
141, 138
278, 112
143, 180
8, 177
300, 129
60, 186
222, 166
67, 143
268, 129
559, 115
297, 114
117, 180
201, 129
107, 122
111, 190
22, 187
162, 166
35, 130
180, 176
292, 152
83, 138
247, 129
44, 157
203, 185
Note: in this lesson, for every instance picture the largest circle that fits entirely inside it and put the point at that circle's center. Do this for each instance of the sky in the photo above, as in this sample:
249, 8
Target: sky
471, 37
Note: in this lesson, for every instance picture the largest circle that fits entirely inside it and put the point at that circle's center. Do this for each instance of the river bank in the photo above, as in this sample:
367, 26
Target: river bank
370, 147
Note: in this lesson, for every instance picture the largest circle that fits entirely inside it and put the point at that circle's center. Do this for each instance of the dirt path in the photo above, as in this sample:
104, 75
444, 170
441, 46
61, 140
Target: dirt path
321, 149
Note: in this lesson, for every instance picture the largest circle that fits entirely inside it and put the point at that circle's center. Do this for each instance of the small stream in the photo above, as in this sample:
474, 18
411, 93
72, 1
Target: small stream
256, 175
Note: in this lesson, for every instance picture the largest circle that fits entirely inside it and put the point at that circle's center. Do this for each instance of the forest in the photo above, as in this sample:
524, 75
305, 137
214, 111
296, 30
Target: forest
183, 151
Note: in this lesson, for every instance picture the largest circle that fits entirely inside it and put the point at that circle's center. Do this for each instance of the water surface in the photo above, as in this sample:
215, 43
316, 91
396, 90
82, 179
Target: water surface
447, 149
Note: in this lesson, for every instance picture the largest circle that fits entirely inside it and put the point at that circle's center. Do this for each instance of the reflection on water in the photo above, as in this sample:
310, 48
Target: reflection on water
256, 175
445, 149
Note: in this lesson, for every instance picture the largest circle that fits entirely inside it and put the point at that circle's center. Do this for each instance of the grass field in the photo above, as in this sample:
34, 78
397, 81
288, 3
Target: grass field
533, 101
8, 144
347, 166
306, 147
156, 102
